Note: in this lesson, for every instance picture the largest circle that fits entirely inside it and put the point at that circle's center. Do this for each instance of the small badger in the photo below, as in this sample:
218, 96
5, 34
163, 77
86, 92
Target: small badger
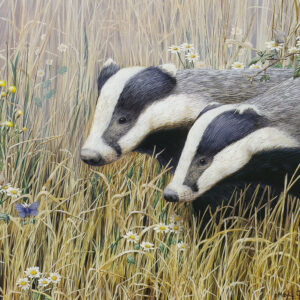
142, 109
233, 146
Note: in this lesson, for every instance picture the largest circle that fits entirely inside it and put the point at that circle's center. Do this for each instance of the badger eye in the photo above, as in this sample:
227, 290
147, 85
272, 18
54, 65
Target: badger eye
122, 120
202, 161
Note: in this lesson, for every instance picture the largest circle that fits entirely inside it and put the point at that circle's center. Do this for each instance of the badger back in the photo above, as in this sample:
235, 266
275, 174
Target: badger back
222, 141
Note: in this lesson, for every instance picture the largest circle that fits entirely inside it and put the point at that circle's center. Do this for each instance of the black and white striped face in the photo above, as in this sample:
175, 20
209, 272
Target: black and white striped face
220, 143
132, 103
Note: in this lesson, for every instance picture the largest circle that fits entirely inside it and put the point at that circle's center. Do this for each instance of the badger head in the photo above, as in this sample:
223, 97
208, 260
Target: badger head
221, 142
132, 103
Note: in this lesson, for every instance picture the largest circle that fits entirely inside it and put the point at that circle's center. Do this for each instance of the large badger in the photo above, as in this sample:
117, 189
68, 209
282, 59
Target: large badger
142, 109
231, 146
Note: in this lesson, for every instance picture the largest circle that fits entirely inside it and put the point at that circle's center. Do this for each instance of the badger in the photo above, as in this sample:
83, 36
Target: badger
145, 108
233, 146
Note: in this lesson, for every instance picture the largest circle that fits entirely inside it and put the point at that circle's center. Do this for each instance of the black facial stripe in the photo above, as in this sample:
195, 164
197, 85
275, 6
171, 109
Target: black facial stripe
223, 130
227, 128
140, 91
105, 74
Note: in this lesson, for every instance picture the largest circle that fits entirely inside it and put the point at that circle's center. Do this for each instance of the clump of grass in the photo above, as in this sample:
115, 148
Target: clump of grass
51, 53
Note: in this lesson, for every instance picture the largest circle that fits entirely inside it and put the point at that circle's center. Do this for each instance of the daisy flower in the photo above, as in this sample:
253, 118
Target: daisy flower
200, 64
131, 237
54, 277
14, 192
237, 65
293, 50
175, 228
236, 31
187, 47
255, 67
175, 218
62, 48
3, 94
2, 83
4, 188
191, 57
272, 45
33, 272
44, 281
181, 246
161, 228
147, 246
40, 73
49, 62
23, 283
174, 49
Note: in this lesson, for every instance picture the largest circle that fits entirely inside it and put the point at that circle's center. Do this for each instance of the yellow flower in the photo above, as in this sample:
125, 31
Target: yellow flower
131, 237
237, 65
3, 94
24, 129
19, 113
12, 89
8, 124
2, 83
54, 277
161, 228
23, 283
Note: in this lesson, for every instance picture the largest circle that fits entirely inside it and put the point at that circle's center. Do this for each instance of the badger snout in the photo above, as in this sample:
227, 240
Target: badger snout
91, 157
170, 195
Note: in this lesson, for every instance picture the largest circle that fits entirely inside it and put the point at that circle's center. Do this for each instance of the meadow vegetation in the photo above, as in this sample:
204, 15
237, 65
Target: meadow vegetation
94, 223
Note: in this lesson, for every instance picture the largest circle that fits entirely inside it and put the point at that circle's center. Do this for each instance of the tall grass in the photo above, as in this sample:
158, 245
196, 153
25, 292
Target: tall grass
84, 211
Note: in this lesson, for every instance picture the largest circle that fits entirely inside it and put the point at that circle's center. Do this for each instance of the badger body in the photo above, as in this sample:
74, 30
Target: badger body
228, 148
146, 109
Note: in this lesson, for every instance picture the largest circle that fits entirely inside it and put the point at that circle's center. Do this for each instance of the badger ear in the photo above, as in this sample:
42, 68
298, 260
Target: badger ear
109, 69
169, 68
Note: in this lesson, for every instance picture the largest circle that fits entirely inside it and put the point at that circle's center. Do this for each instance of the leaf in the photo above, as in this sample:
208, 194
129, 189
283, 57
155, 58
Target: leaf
136, 247
49, 94
161, 247
254, 60
278, 65
4, 217
297, 72
38, 101
46, 84
130, 260
264, 78
62, 70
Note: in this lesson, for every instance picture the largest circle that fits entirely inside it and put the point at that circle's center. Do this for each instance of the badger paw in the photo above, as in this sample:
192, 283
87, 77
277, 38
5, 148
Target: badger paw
244, 107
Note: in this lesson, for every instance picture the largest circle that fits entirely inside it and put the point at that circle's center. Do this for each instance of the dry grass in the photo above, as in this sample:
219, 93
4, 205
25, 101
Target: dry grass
84, 211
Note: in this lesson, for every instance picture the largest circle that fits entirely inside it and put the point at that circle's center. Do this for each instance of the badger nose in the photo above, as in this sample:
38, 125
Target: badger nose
91, 157
170, 195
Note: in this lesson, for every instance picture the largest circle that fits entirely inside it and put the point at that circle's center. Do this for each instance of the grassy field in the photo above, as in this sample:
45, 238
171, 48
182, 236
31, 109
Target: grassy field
52, 52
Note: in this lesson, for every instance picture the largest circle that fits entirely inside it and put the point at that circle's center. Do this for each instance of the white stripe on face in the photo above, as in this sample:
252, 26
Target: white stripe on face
162, 114
107, 102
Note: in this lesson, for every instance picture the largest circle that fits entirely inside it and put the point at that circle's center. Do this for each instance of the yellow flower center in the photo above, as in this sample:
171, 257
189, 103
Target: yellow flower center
193, 55
23, 283
54, 278
33, 272
175, 227
44, 282
175, 48
5, 187
15, 192
162, 228
132, 237
147, 246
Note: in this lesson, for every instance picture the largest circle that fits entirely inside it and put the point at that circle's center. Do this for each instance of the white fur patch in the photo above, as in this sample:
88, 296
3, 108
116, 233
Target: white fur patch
109, 62
244, 107
107, 101
169, 68
169, 112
